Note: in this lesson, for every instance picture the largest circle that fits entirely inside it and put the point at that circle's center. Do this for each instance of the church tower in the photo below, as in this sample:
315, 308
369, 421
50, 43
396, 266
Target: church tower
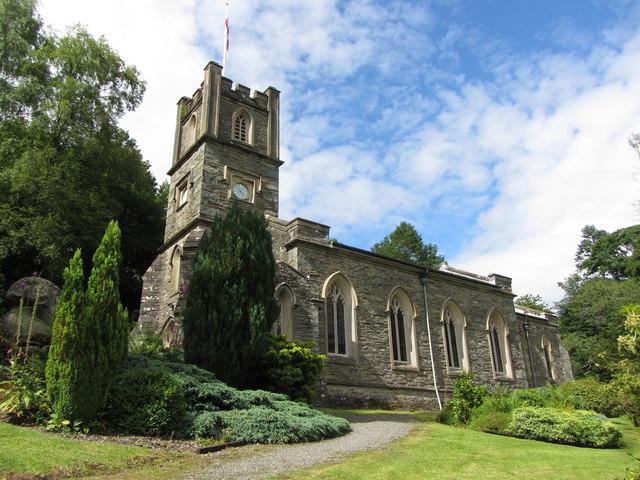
226, 148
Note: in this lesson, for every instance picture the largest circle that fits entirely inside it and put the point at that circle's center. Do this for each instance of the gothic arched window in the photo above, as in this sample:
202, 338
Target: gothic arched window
340, 316
499, 344
176, 257
242, 126
402, 329
547, 352
284, 323
454, 334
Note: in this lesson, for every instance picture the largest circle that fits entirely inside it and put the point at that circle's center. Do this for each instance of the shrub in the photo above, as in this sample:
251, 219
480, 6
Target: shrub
446, 416
288, 423
149, 344
467, 396
598, 396
147, 401
579, 428
291, 368
219, 411
491, 421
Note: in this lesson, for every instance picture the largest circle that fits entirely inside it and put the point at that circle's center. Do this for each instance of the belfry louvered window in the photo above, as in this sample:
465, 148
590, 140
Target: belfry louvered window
241, 127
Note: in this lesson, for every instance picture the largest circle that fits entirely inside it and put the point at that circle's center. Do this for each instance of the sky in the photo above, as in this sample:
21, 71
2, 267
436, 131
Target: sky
498, 128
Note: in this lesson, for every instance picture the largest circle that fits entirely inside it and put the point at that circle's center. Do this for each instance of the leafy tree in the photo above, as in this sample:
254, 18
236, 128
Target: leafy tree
66, 168
405, 243
609, 255
590, 321
230, 305
90, 334
532, 301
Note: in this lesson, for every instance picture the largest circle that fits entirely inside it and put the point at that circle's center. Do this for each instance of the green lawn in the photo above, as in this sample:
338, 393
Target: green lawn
432, 451
439, 452
27, 452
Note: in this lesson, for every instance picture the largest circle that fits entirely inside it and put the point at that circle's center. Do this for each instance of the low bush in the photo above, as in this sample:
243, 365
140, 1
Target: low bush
491, 421
147, 401
216, 410
598, 396
446, 416
579, 428
467, 396
291, 368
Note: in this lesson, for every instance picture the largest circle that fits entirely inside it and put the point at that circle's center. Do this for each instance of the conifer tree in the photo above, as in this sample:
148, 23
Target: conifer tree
230, 303
105, 319
63, 371
90, 333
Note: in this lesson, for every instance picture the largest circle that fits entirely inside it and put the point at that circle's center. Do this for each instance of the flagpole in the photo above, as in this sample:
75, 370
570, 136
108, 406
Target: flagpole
225, 49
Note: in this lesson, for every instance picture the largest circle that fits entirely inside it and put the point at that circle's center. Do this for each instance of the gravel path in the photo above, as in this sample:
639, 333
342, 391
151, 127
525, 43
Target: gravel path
370, 431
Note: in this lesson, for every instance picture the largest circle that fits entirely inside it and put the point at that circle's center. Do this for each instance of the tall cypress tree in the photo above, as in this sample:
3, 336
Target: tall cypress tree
64, 371
230, 303
90, 333
105, 319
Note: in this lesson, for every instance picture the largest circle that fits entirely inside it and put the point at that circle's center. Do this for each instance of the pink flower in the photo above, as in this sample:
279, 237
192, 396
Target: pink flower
23, 285
185, 288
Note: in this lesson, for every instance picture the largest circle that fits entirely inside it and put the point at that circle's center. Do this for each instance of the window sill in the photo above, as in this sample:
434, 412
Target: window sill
405, 367
340, 359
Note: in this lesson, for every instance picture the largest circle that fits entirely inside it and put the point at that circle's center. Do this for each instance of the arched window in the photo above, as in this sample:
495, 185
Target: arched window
176, 257
402, 329
192, 131
284, 323
242, 126
340, 301
499, 345
547, 352
169, 335
453, 325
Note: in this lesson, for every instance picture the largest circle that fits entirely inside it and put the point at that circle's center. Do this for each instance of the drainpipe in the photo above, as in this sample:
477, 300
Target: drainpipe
423, 281
525, 324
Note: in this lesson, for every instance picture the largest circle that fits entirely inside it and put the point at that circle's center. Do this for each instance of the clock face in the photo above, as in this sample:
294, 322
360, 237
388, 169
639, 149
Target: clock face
241, 191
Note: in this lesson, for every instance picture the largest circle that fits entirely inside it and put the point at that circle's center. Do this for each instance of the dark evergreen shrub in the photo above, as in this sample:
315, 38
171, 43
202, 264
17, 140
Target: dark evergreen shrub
598, 396
579, 428
230, 305
291, 368
446, 416
146, 401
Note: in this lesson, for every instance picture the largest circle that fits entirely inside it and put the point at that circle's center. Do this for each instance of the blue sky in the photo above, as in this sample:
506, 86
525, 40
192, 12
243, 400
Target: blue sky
497, 127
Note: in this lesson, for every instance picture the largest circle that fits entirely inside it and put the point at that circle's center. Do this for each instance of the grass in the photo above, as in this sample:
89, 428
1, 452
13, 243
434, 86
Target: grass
441, 452
27, 453
432, 450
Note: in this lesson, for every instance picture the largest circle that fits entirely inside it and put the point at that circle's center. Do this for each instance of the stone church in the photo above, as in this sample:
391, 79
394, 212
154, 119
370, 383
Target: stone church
394, 334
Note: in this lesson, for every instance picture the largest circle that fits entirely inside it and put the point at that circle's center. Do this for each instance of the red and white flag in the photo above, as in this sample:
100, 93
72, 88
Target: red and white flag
225, 51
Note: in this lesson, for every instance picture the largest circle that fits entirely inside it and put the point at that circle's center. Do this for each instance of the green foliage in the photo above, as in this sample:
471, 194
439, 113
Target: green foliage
405, 243
600, 397
146, 401
219, 411
230, 305
149, 344
591, 321
491, 421
23, 389
291, 368
626, 380
579, 428
609, 255
467, 396
90, 334
66, 168
532, 301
